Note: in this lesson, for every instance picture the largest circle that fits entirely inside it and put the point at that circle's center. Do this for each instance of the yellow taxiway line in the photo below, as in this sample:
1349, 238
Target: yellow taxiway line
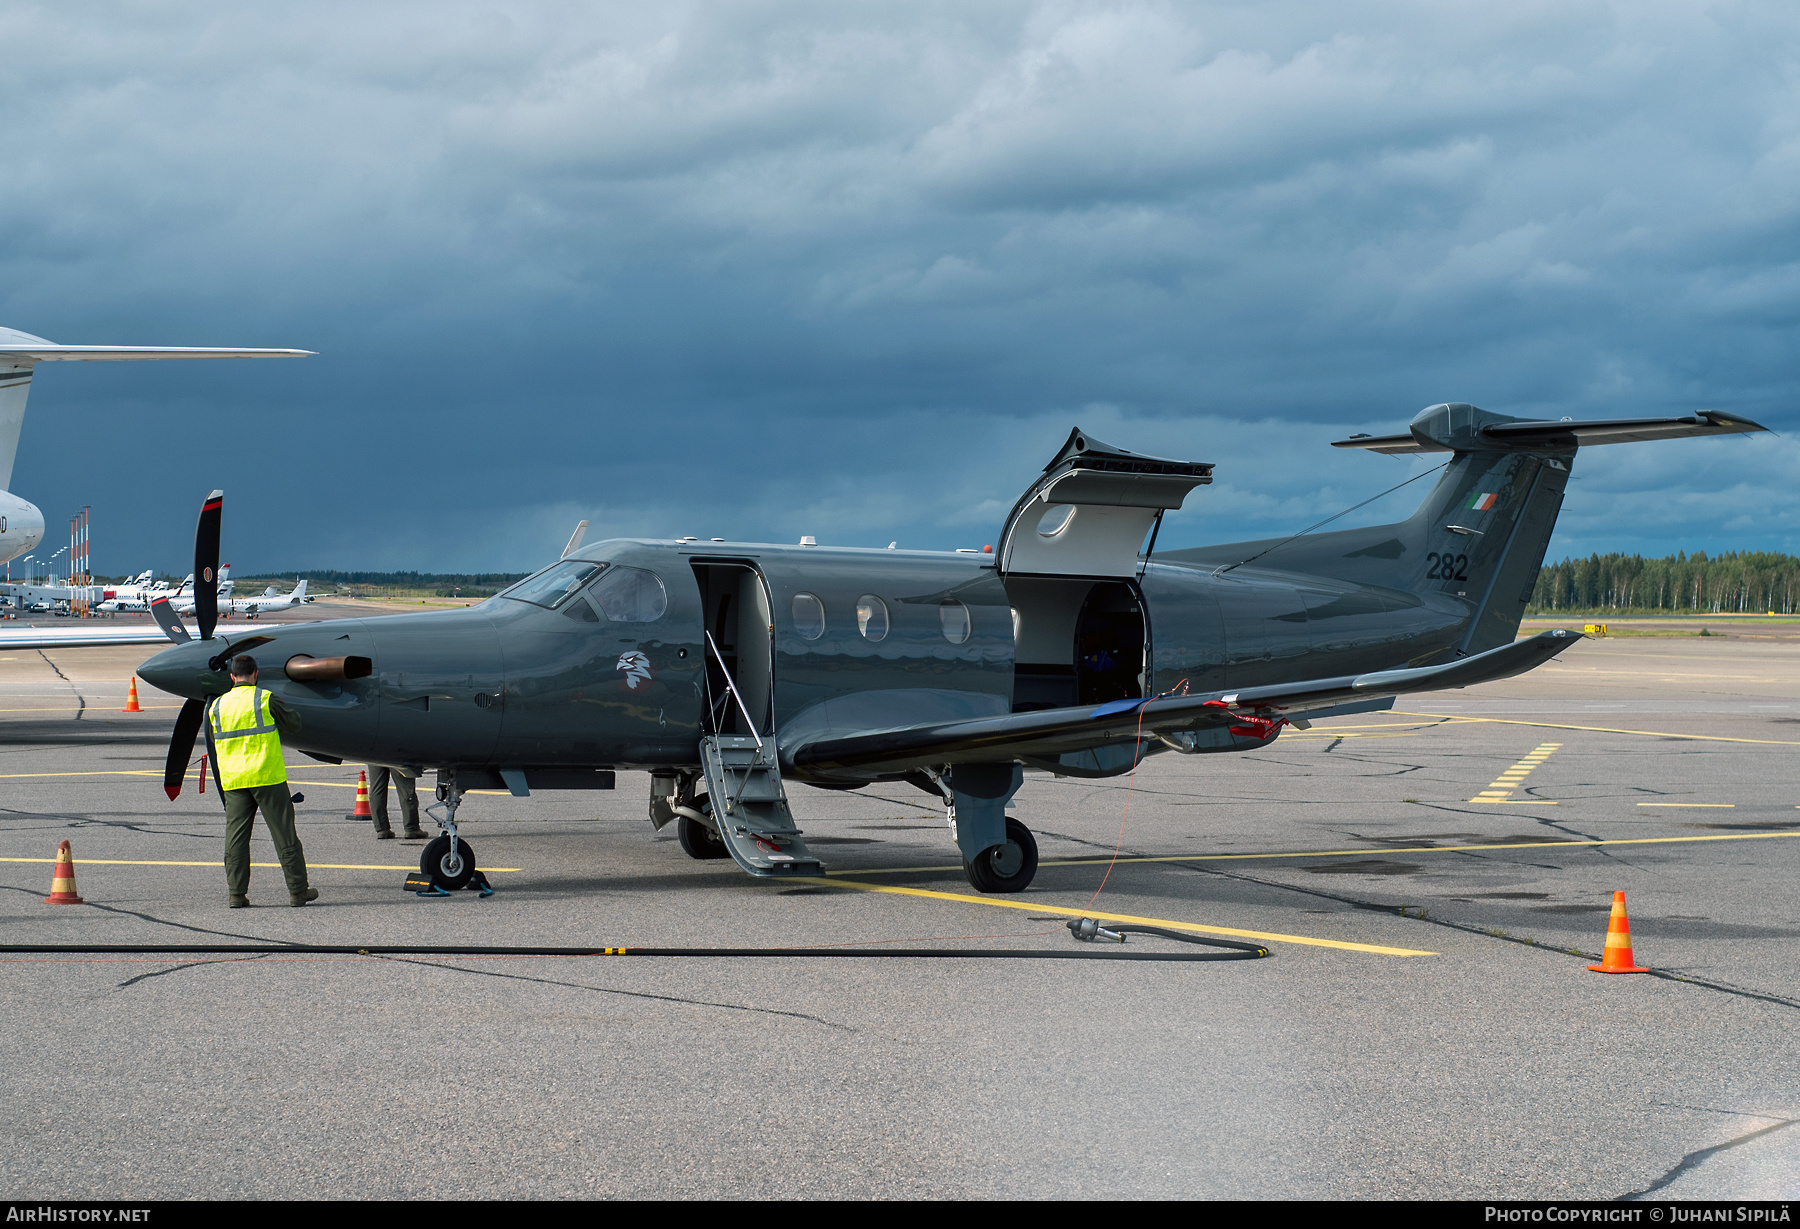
1344, 853
1598, 729
315, 866
1196, 927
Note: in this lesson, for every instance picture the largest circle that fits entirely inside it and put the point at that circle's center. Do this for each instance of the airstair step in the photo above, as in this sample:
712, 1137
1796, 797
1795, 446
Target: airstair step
743, 779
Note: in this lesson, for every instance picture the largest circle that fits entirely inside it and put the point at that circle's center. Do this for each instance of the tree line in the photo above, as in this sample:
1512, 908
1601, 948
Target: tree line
1735, 582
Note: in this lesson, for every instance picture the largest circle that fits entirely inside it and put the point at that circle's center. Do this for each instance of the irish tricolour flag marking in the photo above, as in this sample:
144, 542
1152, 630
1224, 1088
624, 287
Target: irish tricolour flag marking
1481, 503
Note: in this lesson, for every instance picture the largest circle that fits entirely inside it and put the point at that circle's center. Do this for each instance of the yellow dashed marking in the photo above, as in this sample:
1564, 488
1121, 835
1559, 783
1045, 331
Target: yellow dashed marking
1501, 790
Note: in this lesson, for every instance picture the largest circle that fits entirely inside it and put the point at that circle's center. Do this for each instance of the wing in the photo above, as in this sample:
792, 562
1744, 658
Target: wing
50, 352
80, 637
1052, 732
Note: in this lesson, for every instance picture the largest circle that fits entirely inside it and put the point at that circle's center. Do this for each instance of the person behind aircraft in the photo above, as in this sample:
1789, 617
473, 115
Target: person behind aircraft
378, 803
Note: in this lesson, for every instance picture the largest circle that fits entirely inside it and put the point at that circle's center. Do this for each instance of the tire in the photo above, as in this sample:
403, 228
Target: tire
1006, 868
697, 840
437, 853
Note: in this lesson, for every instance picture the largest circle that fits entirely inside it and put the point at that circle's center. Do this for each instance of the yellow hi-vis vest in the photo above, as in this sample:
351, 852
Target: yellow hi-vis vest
244, 739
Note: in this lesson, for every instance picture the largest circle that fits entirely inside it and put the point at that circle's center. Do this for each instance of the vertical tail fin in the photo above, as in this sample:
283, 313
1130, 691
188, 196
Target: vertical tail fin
1480, 535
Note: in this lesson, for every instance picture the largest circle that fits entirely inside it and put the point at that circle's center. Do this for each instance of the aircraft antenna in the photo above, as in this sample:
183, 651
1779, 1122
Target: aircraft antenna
1218, 572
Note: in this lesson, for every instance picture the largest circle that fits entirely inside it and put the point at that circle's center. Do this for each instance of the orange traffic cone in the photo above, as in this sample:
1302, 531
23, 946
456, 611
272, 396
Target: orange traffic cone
362, 797
131, 704
1617, 957
62, 881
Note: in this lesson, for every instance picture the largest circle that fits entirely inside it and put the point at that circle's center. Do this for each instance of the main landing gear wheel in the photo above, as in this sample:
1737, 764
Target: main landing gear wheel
448, 869
1009, 867
697, 840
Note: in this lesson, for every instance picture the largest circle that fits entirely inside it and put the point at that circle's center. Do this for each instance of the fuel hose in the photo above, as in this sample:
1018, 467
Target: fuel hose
1239, 951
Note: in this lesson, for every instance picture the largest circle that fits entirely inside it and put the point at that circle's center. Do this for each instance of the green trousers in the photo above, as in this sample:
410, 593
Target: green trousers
378, 798
277, 807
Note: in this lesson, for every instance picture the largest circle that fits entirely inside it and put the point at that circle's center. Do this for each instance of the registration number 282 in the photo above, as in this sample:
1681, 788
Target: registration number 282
1447, 567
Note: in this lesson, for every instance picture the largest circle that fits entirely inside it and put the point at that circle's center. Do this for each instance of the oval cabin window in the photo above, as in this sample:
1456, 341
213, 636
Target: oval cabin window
871, 617
629, 595
1056, 518
955, 618
809, 616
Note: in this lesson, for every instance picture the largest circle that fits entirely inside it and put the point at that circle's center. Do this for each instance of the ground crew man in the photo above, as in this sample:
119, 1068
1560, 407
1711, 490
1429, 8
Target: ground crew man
244, 728
409, 803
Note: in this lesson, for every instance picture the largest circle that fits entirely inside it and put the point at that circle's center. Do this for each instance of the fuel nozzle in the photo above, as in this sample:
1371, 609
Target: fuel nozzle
1088, 930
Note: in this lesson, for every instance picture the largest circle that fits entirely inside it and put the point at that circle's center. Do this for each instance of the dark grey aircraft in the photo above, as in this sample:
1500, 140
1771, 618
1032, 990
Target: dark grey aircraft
724, 669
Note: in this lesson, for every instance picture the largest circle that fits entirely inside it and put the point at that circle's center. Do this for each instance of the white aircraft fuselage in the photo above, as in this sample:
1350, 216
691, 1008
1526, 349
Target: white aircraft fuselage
21, 526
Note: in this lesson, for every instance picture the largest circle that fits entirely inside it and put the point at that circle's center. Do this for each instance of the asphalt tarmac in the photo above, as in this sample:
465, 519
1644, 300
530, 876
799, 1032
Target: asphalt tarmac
1424, 1027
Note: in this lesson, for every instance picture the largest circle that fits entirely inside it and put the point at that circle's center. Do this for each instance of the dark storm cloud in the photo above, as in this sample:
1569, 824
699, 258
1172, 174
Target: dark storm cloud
765, 270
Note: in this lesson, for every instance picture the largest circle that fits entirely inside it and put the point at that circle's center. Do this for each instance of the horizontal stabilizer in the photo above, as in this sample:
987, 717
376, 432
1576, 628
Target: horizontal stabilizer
1047, 733
1545, 433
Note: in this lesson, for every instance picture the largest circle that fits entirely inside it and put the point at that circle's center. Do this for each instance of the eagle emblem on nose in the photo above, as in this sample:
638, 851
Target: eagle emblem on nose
636, 668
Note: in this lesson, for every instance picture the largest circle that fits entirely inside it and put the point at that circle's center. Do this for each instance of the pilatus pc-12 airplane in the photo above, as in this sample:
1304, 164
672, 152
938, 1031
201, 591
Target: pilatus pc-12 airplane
725, 670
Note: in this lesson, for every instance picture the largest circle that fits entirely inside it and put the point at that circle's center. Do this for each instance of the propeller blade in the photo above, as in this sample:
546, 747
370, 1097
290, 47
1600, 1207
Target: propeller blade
206, 564
166, 619
181, 746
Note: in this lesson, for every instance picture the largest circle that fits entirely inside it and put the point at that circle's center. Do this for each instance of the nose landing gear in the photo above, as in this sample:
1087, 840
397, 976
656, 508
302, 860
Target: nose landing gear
447, 861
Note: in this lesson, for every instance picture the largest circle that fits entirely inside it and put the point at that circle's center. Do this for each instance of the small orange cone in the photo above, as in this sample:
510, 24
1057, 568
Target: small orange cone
362, 797
62, 881
131, 704
1617, 957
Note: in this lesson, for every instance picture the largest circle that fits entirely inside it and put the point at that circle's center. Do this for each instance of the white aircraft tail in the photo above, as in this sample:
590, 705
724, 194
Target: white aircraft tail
226, 584
299, 593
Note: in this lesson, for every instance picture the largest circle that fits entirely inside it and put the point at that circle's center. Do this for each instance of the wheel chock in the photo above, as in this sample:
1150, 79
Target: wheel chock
420, 884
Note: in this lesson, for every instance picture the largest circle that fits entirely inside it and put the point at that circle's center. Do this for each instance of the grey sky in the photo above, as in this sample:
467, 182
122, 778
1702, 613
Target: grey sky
759, 270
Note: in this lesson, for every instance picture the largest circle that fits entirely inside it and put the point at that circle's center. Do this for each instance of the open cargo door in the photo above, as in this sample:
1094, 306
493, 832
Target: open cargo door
1090, 512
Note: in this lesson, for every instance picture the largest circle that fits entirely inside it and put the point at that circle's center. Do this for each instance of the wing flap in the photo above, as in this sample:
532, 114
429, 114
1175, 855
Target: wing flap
1050, 732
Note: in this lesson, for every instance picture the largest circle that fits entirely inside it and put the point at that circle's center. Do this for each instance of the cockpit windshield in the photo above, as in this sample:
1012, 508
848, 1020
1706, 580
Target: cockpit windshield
555, 585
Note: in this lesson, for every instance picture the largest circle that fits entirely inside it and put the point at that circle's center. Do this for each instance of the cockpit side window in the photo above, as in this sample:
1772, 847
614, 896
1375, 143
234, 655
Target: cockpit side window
629, 595
554, 585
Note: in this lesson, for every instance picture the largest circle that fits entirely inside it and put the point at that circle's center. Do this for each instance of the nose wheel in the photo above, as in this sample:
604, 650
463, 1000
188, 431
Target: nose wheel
447, 861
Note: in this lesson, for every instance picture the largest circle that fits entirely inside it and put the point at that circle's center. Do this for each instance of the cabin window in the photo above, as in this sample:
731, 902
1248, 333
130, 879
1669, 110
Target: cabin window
1056, 518
871, 617
555, 585
809, 616
955, 618
629, 595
